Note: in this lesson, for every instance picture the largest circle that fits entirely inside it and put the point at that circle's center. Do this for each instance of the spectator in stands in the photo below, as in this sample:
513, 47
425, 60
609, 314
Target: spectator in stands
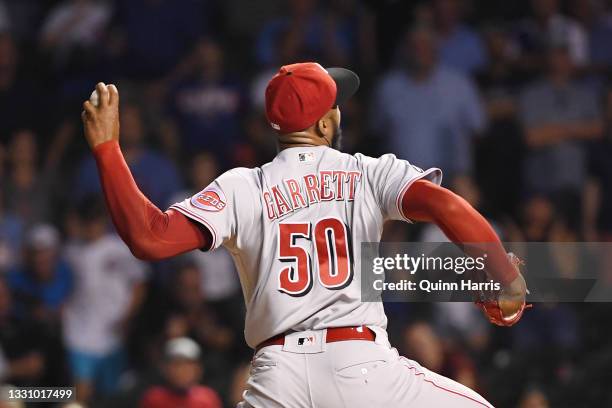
259, 134
44, 282
499, 152
461, 47
535, 220
74, 26
559, 115
182, 372
153, 36
188, 315
534, 398
27, 191
350, 35
600, 31
288, 48
24, 363
11, 235
207, 103
462, 322
16, 95
596, 18
221, 291
178, 308
323, 38
32, 356
599, 202
429, 113
108, 291
422, 344
204, 170
553, 323
556, 324
219, 280
157, 176
533, 34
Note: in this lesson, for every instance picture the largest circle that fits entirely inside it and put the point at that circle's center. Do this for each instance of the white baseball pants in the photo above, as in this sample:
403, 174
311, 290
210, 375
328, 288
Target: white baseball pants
347, 374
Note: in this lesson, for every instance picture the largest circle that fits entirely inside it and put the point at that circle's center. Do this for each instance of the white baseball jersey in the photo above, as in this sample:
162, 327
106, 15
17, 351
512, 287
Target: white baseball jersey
294, 228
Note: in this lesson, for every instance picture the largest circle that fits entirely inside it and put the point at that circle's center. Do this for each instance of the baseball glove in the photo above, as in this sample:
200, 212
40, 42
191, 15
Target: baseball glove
505, 307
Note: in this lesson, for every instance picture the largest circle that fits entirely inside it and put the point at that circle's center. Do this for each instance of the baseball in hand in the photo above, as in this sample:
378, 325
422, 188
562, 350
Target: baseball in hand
94, 98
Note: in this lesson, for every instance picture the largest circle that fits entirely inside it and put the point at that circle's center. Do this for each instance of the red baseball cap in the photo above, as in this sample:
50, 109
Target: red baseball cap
300, 94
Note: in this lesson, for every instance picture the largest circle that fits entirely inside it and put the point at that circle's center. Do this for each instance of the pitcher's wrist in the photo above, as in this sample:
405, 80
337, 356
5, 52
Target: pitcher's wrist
101, 148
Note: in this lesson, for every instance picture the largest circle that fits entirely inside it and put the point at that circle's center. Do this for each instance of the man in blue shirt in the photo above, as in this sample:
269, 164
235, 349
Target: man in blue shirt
461, 47
428, 112
207, 103
559, 116
45, 281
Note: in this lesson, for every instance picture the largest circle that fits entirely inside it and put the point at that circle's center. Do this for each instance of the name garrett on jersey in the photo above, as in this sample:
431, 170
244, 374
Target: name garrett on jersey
327, 185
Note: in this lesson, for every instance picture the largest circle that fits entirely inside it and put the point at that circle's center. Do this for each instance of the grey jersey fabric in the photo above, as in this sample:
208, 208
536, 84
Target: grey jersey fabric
294, 228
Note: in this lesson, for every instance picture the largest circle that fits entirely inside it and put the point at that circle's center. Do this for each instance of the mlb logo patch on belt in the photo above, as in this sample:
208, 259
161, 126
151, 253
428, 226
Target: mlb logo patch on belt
305, 342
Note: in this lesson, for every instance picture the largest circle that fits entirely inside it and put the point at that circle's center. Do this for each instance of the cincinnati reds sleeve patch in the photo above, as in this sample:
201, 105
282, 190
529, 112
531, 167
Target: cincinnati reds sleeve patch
209, 199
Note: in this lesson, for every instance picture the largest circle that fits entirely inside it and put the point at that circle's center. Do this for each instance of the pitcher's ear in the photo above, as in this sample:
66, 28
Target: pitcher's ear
322, 127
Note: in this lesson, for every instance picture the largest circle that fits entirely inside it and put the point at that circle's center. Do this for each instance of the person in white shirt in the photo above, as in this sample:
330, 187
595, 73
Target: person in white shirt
108, 290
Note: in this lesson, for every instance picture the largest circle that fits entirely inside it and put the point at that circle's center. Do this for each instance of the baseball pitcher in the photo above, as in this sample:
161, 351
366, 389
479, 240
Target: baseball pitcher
294, 228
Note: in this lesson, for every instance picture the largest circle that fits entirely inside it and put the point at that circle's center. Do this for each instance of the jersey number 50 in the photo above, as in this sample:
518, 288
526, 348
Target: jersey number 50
332, 253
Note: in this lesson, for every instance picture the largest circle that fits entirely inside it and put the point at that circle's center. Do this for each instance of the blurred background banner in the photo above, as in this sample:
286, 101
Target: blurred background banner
442, 272
512, 99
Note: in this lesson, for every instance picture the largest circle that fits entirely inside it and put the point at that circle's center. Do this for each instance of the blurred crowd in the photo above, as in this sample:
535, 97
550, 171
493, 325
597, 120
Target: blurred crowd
513, 100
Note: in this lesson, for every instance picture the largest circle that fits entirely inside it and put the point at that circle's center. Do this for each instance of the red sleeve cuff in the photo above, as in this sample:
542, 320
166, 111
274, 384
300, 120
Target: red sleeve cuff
102, 149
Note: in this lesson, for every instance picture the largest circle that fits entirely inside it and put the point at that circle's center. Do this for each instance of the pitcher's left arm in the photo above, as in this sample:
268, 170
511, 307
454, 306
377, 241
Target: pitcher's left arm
462, 224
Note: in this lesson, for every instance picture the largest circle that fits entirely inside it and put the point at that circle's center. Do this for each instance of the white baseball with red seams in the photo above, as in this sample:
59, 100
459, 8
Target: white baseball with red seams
294, 228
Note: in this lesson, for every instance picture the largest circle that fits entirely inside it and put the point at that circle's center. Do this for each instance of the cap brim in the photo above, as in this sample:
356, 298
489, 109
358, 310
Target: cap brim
347, 83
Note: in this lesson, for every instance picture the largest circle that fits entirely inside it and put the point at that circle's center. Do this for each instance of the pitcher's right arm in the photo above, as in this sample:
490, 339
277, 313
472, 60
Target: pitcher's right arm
149, 233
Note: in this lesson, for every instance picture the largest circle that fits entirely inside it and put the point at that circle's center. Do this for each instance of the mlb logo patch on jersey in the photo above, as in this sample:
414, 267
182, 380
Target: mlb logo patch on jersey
306, 157
209, 199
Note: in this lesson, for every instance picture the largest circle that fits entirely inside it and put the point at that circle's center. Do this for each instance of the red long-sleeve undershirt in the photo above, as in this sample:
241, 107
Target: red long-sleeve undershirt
461, 223
152, 234
149, 233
